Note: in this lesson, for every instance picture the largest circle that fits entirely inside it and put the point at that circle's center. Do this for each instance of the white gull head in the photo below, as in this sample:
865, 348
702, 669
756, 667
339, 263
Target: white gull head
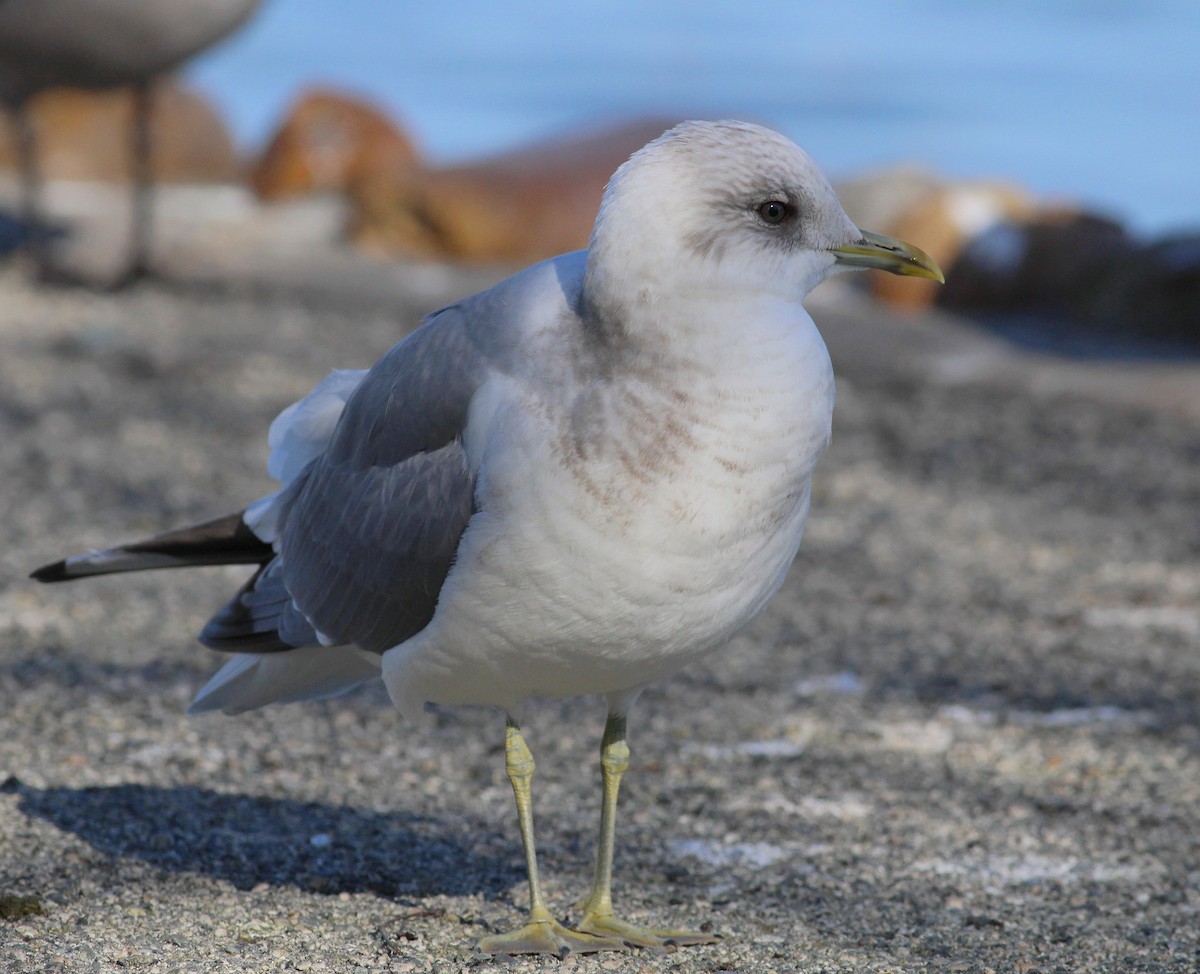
726, 206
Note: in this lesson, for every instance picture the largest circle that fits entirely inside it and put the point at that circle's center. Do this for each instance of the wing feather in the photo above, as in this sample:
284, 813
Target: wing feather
367, 531
368, 534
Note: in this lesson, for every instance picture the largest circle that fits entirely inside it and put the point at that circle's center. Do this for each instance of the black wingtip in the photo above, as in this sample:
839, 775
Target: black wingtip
222, 541
258, 643
56, 572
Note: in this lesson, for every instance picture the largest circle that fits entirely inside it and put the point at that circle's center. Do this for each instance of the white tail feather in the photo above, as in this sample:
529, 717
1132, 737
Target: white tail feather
251, 680
298, 436
301, 432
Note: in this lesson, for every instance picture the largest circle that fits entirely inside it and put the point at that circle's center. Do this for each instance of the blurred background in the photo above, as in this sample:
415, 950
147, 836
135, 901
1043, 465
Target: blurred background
1092, 100
1046, 153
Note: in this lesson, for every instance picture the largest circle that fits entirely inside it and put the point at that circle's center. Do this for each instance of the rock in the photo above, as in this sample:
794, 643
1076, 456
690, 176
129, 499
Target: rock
322, 138
518, 207
1051, 261
86, 135
1153, 290
1059, 261
942, 221
876, 199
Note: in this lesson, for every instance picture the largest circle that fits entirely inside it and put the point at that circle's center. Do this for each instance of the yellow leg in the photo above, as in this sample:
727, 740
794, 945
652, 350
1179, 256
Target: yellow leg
542, 934
598, 916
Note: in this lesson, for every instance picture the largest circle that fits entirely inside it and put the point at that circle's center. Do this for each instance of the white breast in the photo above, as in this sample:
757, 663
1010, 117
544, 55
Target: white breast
622, 538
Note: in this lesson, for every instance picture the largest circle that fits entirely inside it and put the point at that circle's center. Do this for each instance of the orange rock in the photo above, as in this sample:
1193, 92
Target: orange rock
518, 207
323, 137
86, 135
941, 222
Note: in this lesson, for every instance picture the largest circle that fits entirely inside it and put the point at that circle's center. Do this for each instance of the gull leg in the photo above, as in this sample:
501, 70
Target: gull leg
542, 934
598, 916
142, 186
36, 243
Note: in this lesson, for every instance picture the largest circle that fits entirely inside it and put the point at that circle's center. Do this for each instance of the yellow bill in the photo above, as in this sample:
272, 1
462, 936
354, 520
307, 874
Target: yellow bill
891, 255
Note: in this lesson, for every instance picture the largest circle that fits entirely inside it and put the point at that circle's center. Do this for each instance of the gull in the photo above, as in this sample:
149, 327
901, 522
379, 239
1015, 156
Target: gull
577, 482
101, 44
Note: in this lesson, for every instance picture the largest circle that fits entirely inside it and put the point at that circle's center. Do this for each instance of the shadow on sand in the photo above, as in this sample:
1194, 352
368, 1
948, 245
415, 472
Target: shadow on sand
247, 840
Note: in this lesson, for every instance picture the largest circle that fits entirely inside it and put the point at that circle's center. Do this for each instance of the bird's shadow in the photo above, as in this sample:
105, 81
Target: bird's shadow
248, 840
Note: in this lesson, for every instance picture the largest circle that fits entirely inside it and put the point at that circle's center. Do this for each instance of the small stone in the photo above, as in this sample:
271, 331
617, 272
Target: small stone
15, 907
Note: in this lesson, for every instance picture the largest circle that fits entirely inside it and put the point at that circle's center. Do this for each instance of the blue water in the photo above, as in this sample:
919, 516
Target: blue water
1093, 100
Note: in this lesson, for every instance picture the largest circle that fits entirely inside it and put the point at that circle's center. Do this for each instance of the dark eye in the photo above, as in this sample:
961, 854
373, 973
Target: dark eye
773, 212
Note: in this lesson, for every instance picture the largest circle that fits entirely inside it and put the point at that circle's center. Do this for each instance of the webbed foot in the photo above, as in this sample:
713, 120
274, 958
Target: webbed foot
548, 936
637, 936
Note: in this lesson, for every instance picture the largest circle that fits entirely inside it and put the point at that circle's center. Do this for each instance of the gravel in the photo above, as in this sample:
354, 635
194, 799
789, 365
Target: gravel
962, 738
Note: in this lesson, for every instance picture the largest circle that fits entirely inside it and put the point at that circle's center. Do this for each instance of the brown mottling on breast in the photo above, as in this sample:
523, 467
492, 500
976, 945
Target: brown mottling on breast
680, 512
574, 459
679, 432
632, 416
634, 464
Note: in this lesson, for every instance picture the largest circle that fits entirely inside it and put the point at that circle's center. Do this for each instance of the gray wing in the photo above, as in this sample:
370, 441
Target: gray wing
365, 550
371, 534
369, 530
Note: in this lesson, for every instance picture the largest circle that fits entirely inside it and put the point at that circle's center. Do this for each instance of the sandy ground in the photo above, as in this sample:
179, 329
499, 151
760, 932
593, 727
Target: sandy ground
962, 738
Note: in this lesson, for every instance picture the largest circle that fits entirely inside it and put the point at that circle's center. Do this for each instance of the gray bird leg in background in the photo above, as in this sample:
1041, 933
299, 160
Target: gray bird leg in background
142, 185
31, 188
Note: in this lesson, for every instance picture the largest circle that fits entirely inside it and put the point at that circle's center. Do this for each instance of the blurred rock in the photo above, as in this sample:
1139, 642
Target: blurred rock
1085, 266
1153, 290
876, 199
84, 135
1006, 252
323, 137
1053, 261
941, 218
518, 207
941, 222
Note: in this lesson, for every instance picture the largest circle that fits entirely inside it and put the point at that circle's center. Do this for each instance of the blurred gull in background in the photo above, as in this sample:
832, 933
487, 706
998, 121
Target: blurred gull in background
101, 44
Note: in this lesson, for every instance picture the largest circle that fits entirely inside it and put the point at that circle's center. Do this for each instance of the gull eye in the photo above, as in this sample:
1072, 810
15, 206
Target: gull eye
773, 212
